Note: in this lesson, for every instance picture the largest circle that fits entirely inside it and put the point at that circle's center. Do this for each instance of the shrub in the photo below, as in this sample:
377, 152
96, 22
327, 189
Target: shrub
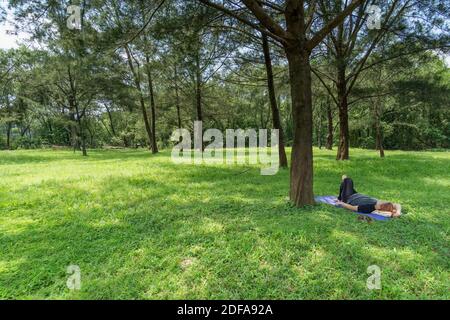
27, 143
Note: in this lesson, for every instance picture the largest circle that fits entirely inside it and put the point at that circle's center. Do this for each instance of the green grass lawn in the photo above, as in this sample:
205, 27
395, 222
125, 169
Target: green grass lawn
141, 227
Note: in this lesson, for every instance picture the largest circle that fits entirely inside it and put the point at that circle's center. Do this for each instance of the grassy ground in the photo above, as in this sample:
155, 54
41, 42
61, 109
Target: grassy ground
141, 227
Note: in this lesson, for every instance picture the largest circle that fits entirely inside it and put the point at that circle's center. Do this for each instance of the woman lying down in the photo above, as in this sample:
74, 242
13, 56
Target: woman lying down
354, 201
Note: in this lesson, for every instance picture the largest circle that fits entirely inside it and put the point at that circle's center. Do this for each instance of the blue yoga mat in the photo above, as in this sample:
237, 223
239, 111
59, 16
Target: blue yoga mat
332, 199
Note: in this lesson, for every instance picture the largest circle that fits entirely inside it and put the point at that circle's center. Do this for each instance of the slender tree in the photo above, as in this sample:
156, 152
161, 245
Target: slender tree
273, 100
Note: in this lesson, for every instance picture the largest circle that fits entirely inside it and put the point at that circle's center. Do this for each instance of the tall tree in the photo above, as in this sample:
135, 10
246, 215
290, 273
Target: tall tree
299, 18
273, 101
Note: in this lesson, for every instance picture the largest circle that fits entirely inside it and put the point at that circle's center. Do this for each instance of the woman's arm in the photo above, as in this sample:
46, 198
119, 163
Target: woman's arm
383, 213
398, 212
347, 206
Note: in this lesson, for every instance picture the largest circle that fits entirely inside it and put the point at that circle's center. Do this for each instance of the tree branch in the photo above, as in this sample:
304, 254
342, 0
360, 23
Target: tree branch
326, 86
319, 36
265, 19
243, 20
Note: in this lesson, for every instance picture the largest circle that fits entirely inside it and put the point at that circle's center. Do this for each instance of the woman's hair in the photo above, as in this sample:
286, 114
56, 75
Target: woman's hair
387, 206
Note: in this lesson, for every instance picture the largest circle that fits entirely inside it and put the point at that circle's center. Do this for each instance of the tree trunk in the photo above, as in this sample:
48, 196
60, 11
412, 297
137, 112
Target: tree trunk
330, 128
73, 129
378, 130
152, 106
8, 135
81, 131
24, 131
319, 131
141, 96
343, 149
198, 87
198, 90
73, 103
301, 188
273, 102
177, 99
113, 129
51, 137
9, 123
379, 142
91, 136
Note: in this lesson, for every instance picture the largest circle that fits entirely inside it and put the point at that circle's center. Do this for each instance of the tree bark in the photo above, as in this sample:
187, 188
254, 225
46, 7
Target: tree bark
301, 185
298, 56
273, 102
152, 106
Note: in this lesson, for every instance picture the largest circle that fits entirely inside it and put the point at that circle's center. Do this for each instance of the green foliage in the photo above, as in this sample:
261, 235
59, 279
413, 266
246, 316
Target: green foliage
2, 143
191, 48
28, 143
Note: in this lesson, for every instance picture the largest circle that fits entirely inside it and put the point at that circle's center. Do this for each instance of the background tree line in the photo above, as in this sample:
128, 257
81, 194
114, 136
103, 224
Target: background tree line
139, 69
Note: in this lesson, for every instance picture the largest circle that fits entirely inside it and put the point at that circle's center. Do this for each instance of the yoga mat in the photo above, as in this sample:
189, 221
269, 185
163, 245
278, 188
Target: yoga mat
331, 201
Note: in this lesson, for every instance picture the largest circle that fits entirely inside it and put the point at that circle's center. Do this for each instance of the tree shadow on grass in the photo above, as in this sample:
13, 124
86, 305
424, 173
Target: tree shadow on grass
199, 232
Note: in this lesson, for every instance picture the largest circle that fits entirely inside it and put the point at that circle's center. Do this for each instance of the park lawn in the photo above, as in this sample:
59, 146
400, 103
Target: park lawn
141, 227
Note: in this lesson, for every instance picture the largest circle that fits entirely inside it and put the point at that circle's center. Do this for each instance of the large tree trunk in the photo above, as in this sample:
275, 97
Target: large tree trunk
301, 188
152, 106
343, 149
273, 102
330, 127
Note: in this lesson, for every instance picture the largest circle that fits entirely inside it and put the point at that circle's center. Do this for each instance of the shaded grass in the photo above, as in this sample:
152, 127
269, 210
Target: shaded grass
141, 227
